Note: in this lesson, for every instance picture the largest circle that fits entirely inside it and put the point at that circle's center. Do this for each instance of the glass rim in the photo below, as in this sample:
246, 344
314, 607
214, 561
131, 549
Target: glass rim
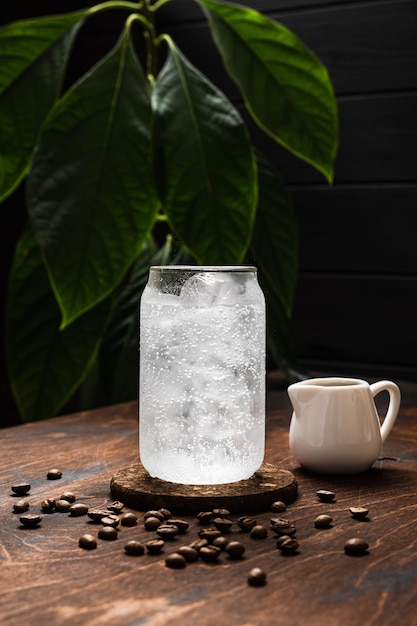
204, 268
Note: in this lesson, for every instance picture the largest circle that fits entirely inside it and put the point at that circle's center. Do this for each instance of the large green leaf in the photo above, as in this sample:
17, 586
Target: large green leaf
204, 163
286, 88
91, 193
45, 364
275, 235
33, 56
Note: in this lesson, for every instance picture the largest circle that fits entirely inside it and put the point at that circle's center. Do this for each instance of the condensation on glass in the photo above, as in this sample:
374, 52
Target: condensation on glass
202, 374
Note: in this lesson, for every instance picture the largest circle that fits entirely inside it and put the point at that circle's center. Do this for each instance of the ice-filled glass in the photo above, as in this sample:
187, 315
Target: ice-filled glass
202, 374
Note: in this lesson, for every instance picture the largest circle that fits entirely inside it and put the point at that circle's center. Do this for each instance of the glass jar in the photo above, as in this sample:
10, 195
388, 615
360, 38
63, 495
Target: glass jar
202, 374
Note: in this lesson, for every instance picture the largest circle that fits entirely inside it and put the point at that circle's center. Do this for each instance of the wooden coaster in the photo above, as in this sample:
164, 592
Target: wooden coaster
137, 489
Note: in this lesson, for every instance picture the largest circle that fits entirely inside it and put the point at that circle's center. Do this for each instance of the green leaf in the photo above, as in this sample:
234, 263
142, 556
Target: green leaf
91, 193
275, 235
286, 88
33, 57
45, 364
205, 164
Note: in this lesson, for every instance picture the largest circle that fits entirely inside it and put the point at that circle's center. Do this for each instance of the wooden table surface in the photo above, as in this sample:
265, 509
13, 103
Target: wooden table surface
45, 578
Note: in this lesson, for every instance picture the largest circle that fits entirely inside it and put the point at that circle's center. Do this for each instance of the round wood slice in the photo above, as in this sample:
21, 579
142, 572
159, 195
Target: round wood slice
137, 489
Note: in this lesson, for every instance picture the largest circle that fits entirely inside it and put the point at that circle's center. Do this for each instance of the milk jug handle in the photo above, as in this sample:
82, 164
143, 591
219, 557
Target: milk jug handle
393, 407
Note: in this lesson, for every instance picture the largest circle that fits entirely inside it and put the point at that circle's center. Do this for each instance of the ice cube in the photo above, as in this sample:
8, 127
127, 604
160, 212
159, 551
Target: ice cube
211, 288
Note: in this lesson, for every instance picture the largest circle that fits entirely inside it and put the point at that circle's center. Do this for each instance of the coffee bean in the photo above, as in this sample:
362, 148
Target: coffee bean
96, 514
48, 505
62, 506
205, 517
246, 523
323, 521
209, 553
152, 523
221, 542
209, 533
30, 520
156, 514
259, 532
223, 524
134, 548
325, 496
21, 506
110, 520
54, 474
358, 512
78, 509
235, 549
190, 554
257, 577
87, 541
175, 560
199, 543
108, 533
282, 526
68, 495
181, 524
278, 507
167, 532
221, 513
356, 546
21, 489
116, 507
128, 519
166, 513
154, 546
287, 544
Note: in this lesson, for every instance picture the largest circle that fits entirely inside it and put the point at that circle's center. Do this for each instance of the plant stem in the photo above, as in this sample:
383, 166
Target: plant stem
116, 4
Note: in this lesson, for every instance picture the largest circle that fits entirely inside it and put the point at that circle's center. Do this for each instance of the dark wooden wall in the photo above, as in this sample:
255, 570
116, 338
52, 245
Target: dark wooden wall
356, 303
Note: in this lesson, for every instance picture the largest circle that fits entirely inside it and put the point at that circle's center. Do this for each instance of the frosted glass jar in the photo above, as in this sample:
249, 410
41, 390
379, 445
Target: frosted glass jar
202, 374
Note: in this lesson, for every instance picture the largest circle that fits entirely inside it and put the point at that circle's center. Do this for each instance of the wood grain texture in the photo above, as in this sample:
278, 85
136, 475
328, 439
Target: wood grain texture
47, 579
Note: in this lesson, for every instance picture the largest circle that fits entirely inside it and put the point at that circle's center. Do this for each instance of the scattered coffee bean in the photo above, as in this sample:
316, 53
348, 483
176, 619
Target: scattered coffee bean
128, 519
167, 532
278, 507
246, 523
78, 509
152, 523
87, 541
110, 520
21, 506
21, 489
48, 505
154, 546
356, 546
156, 514
30, 520
116, 507
68, 495
325, 496
181, 524
175, 560
108, 533
323, 521
282, 526
259, 532
166, 513
221, 542
54, 474
62, 506
235, 549
96, 515
199, 543
223, 524
287, 544
209, 533
134, 548
358, 512
190, 554
221, 513
205, 517
257, 577
209, 553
